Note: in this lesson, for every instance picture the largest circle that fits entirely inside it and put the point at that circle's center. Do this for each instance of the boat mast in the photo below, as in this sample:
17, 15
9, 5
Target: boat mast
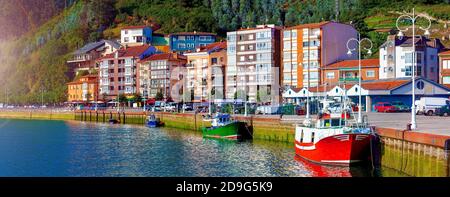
307, 118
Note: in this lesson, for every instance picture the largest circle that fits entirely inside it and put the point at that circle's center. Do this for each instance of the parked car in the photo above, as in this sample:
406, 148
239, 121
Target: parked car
428, 105
401, 106
188, 107
267, 109
443, 111
170, 107
385, 107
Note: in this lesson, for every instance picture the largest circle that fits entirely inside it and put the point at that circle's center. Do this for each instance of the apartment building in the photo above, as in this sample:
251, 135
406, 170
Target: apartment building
135, 35
396, 57
253, 62
117, 71
83, 90
444, 68
310, 47
158, 73
206, 72
85, 57
189, 41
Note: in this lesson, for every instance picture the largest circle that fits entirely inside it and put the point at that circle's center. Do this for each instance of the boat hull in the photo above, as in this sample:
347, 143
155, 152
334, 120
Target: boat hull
232, 131
341, 149
153, 124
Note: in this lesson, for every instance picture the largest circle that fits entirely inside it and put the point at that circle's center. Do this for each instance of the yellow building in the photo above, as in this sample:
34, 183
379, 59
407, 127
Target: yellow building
85, 89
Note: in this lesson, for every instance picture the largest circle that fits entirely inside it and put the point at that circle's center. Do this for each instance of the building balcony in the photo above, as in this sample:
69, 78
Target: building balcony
314, 36
348, 79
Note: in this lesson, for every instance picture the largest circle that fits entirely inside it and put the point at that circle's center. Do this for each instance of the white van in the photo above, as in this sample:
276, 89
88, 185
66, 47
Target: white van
428, 105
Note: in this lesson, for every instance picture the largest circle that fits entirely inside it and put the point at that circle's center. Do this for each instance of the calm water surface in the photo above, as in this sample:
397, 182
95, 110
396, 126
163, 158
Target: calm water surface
70, 148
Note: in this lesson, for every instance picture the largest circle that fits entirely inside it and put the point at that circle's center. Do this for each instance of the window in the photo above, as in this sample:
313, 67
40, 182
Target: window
242, 47
431, 57
126, 39
181, 45
287, 34
231, 38
408, 58
242, 58
305, 44
446, 64
287, 45
181, 38
294, 34
294, 45
202, 38
126, 31
287, 67
370, 73
287, 55
250, 57
250, 47
446, 80
250, 37
432, 69
330, 75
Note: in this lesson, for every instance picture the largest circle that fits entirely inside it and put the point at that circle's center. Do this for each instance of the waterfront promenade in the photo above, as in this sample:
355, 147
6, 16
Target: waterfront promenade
426, 124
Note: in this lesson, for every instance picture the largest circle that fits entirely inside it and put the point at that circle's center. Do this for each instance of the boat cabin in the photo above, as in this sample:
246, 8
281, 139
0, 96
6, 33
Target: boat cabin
221, 120
332, 120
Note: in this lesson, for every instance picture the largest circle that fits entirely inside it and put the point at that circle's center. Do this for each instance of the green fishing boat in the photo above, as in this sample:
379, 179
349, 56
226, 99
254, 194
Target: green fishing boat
223, 127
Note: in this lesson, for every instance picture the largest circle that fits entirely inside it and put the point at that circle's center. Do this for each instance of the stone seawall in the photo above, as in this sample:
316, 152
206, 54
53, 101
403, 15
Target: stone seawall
414, 153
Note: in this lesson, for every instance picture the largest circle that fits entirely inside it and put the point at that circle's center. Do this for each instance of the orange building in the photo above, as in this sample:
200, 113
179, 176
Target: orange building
85, 89
311, 47
347, 71
444, 68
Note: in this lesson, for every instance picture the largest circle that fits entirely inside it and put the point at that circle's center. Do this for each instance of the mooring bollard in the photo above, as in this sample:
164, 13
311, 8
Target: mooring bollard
447, 155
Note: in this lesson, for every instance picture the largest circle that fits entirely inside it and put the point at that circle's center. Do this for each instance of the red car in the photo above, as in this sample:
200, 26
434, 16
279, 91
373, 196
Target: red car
385, 107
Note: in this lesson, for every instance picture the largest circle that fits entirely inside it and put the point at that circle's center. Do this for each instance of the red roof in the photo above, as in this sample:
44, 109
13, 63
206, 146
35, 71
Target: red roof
135, 27
383, 85
165, 56
445, 52
193, 33
90, 79
214, 46
365, 63
128, 52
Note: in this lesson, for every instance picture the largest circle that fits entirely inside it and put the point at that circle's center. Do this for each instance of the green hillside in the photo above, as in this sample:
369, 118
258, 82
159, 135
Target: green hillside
34, 62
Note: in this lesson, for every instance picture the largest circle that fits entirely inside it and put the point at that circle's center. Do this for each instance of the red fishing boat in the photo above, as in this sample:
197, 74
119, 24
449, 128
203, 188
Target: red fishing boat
333, 139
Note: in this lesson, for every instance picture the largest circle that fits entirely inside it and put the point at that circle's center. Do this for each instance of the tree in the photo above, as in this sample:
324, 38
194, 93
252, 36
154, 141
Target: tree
137, 98
104, 96
88, 96
122, 98
159, 96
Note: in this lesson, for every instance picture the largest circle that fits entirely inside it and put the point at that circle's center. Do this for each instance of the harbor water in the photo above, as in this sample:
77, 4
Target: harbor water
72, 149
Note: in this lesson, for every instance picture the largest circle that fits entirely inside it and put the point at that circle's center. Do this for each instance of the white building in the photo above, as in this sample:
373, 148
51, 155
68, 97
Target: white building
396, 57
135, 35
253, 56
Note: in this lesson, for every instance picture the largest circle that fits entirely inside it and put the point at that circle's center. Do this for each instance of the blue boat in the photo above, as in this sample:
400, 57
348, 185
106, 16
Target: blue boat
153, 122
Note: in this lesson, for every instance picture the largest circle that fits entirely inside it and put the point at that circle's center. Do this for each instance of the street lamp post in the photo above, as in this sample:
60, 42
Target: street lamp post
413, 18
145, 95
359, 41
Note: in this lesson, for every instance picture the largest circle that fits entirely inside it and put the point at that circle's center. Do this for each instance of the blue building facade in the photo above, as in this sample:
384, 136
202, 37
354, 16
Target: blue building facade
189, 41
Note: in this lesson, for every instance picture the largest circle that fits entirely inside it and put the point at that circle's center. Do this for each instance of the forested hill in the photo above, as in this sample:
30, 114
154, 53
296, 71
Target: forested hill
38, 36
